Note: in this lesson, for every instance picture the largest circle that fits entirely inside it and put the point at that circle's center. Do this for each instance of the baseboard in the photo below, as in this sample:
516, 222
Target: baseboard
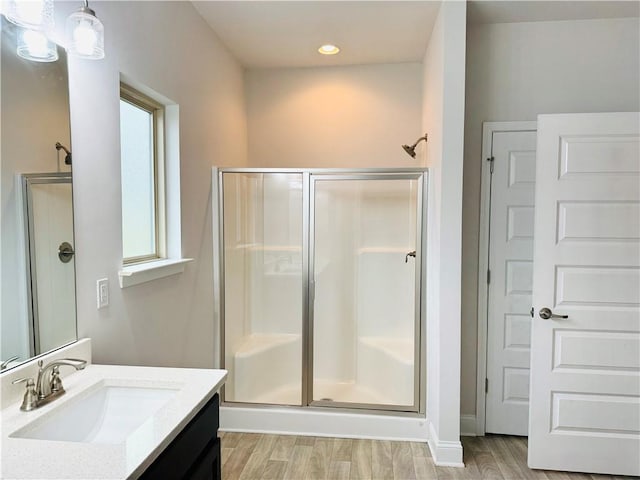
445, 453
304, 421
325, 423
468, 426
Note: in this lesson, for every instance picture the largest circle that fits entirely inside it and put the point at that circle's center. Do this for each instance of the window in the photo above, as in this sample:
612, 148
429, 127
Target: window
142, 176
150, 172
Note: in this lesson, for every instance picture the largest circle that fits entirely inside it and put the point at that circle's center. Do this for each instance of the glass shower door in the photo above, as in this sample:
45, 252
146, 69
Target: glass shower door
365, 290
263, 286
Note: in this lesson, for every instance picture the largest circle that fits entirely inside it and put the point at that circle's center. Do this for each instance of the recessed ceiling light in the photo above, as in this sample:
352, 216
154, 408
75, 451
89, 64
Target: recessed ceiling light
328, 49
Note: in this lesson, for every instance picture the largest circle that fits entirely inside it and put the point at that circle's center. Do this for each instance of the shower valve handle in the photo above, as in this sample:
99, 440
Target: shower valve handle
410, 254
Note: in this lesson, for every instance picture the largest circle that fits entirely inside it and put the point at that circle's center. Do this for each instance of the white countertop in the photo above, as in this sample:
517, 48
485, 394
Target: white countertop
23, 458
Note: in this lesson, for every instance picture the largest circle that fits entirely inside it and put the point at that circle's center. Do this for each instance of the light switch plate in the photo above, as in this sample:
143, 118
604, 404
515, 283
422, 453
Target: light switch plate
102, 291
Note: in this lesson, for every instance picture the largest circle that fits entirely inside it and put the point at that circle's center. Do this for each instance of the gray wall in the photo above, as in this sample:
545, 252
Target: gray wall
353, 116
169, 48
514, 72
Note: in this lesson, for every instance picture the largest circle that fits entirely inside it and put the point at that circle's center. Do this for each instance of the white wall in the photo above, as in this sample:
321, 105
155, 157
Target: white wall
515, 72
35, 115
168, 47
356, 116
443, 120
432, 112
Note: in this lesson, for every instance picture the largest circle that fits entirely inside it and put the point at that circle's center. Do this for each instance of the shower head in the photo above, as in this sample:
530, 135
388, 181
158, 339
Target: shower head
411, 150
67, 157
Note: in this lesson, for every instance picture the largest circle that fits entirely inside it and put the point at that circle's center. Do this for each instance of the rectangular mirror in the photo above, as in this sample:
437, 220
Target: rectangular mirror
37, 283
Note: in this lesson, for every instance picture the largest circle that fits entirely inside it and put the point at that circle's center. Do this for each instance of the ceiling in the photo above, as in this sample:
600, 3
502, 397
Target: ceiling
489, 11
266, 34
277, 34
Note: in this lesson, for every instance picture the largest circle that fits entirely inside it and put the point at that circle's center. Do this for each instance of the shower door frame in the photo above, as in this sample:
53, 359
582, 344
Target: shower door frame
309, 176
27, 180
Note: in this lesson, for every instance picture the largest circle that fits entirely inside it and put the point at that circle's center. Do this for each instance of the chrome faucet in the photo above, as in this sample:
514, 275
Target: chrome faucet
48, 385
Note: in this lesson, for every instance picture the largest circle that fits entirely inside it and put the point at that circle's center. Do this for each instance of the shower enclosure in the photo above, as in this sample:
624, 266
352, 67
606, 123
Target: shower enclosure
321, 275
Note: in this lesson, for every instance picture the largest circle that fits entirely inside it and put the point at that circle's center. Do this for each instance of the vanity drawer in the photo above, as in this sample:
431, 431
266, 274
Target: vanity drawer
194, 451
209, 464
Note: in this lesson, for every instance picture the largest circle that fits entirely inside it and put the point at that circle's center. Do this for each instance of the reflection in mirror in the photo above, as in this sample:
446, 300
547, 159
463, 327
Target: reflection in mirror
48, 218
37, 307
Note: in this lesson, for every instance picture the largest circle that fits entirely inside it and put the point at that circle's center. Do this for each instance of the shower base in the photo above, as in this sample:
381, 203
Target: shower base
384, 375
325, 390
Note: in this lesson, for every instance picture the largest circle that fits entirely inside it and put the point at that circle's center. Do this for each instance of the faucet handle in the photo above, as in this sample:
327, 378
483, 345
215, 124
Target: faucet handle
56, 383
25, 379
30, 399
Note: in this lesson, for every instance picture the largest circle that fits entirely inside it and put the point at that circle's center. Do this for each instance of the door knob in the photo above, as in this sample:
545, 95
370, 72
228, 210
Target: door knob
546, 313
410, 254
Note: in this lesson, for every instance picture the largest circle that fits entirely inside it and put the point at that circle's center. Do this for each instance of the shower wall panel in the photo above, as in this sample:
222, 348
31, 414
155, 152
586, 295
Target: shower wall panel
334, 305
54, 285
365, 287
262, 238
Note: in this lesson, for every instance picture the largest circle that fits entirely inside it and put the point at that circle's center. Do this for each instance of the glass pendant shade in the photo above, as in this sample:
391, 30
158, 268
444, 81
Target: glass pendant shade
31, 14
85, 35
35, 46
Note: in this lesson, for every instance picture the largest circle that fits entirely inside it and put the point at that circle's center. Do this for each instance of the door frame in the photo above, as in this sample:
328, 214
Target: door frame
488, 129
27, 181
421, 178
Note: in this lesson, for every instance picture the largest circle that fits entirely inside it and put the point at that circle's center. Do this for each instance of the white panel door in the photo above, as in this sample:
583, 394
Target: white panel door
509, 293
585, 375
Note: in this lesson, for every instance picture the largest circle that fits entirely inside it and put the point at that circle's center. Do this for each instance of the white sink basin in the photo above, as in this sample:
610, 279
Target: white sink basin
107, 414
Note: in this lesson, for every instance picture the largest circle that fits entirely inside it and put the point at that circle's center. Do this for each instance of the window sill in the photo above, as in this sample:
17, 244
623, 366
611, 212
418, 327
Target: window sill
149, 271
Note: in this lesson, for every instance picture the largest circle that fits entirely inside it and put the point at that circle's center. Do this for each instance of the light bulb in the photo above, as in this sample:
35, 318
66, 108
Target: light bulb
35, 46
36, 43
328, 49
32, 14
84, 38
30, 11
85, 34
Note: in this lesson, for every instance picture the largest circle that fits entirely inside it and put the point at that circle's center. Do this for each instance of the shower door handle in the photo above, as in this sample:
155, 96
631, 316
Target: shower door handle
410, 254
65, 252
312, 292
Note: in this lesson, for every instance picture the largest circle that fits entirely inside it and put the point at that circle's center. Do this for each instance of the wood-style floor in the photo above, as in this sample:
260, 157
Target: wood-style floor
256, 456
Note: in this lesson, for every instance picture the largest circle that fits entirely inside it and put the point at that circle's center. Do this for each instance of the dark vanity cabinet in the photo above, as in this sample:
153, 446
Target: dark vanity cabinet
195, 453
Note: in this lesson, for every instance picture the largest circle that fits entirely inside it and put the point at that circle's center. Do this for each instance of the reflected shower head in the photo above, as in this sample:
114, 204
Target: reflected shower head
67, 157
411, 150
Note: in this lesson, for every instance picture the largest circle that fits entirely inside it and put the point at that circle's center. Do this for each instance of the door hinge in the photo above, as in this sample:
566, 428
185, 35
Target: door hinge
488, 277
486, 385
491, 162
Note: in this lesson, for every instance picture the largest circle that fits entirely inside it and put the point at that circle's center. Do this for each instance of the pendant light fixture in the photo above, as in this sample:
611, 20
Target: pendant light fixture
35, 21
31, 14
85, 34
34, 45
